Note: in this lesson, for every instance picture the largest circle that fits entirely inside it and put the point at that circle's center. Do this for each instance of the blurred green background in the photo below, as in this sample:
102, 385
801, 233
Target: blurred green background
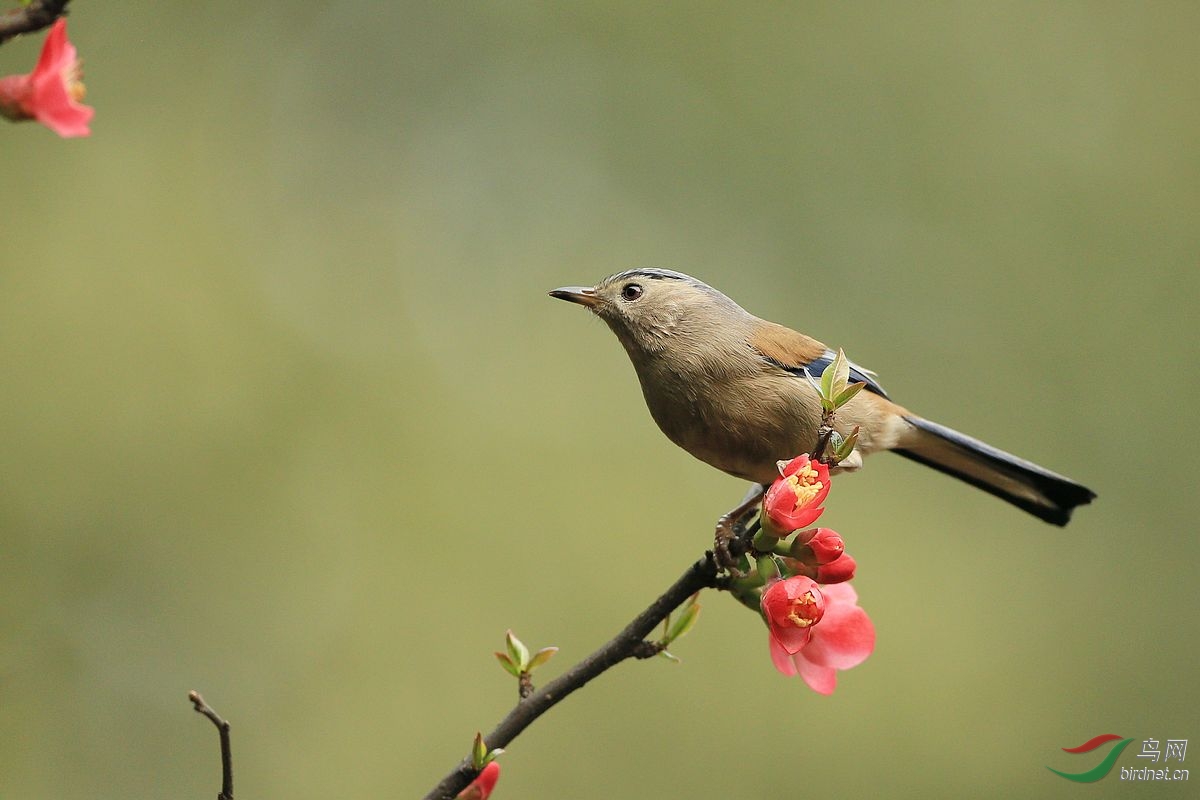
288, 418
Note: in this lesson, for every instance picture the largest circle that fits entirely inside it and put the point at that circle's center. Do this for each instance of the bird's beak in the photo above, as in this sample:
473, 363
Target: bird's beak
584, 295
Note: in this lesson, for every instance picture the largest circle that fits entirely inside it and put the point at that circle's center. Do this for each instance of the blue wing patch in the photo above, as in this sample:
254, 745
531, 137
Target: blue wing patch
814, 368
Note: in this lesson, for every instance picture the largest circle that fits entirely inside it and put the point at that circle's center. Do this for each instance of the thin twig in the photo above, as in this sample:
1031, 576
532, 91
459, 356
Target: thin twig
626, 644
33, 17
226, 752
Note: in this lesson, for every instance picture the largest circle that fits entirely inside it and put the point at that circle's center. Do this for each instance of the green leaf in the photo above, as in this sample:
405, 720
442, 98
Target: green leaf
669, 656
835, 377
847, 446
847, 394
842, 376
684, 623
509, 666
815, 383
827, 377
479, 752
492, 756
517, 650
541, 657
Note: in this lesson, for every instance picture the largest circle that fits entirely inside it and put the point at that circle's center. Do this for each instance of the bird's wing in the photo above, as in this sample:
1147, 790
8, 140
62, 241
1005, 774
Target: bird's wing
804, 356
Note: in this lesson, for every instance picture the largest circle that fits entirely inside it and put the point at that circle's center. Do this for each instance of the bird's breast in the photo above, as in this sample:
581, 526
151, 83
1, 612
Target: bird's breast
741, 421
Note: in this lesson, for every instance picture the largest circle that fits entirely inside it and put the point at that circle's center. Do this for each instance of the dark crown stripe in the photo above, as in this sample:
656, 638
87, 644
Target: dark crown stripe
654, 273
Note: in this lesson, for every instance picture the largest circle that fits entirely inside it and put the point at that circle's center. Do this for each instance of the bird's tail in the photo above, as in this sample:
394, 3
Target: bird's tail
1039, 491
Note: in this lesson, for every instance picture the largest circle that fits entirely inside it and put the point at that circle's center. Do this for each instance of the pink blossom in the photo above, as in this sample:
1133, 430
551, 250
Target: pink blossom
794, 500
792, 607
51, 93
843, 638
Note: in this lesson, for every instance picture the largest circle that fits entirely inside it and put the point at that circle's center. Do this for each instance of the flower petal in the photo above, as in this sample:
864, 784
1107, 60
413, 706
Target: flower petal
803, 517
484, 783
845, 636
57, 52
792, 608
53, 86
841, 569
59, 112
781, 659
842, 594
821, 679
795, 465
791, 638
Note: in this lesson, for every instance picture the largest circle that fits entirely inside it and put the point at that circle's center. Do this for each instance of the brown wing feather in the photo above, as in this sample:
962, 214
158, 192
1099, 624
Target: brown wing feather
784, 346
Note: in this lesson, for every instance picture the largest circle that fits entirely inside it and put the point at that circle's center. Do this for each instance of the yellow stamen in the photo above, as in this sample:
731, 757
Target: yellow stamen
794, 617
73, 78
805, 486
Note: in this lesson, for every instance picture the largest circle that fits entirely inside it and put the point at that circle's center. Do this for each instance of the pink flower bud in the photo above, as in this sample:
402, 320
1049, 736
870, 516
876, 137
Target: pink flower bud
794, 500
804, 537
826, 546
837, 571
792, 607
51, 93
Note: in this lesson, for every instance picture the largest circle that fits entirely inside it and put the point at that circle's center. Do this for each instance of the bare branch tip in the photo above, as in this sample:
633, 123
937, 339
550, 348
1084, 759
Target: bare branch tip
33, 16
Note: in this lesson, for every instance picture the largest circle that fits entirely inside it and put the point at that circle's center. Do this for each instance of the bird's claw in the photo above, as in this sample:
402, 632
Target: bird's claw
726, 560
730, 528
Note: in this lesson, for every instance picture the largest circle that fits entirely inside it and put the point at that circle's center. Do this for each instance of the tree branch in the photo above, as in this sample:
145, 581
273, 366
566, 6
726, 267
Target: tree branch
629, 643
33, 17
226, 751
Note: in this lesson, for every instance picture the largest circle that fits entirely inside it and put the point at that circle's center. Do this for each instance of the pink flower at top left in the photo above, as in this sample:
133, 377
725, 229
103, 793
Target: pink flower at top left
51, 93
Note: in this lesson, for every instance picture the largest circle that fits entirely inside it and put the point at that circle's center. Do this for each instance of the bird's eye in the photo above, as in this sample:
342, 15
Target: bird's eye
632, 291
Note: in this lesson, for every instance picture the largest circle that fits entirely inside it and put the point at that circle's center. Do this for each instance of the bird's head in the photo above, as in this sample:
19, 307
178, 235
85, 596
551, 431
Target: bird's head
649, 308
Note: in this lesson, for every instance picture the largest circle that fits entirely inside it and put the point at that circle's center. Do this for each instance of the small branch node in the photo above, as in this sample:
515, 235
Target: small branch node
222, 726
646, 649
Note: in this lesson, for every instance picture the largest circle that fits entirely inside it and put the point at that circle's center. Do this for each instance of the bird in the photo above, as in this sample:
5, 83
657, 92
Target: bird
738, 393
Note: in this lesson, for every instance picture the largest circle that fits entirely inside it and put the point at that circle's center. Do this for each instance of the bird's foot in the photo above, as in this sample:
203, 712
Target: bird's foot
727, 545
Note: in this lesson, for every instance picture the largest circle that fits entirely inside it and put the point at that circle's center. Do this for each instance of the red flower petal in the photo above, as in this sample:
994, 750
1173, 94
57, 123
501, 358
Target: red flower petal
791, 638
845, 636
820, 679
484, 783
792, 607
781, 658
795, 465
53, 106
838, 570
802, 518
57, 51
48, 94
827, 545
787, 505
